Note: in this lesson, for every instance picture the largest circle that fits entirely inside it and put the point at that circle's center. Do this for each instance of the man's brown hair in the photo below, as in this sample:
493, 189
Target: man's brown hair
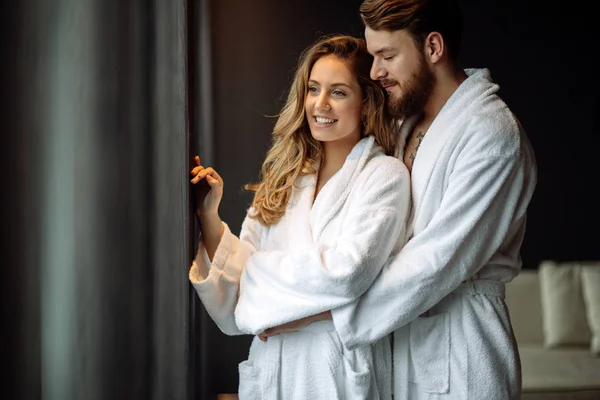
419, 18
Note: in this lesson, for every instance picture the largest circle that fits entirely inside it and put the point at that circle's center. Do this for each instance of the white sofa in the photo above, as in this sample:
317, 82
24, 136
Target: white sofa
556, 373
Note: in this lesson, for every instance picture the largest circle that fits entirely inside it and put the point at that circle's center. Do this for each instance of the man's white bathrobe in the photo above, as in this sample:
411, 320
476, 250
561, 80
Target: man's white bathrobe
319, 256
472, 181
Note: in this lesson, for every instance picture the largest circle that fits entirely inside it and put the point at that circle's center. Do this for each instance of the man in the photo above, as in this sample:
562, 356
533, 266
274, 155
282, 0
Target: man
473, 175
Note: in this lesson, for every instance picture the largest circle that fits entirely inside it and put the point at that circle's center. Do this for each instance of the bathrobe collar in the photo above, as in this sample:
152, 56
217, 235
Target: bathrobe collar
335, 192
476, 87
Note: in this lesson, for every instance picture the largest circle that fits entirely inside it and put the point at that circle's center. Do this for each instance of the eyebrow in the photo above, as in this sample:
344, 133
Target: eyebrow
383, 50
332, 85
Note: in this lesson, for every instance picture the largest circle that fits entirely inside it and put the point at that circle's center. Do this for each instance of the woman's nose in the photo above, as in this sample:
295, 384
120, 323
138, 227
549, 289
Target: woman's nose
323, 103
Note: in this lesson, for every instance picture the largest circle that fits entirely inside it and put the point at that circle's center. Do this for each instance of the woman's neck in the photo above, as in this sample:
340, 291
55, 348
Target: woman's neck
333, 158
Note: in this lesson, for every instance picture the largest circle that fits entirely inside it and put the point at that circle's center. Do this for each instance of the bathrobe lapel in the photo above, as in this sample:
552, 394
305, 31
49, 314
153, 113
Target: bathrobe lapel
328, 203
334, 194
438, 134
297, 224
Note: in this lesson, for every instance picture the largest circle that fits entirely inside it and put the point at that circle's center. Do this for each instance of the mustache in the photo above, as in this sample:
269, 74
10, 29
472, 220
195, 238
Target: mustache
388, 82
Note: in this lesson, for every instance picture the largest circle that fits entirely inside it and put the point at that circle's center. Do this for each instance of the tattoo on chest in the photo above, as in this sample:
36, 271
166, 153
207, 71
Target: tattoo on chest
413, 153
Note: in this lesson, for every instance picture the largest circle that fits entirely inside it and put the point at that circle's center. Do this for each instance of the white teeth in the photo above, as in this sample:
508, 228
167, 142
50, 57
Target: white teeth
321, 120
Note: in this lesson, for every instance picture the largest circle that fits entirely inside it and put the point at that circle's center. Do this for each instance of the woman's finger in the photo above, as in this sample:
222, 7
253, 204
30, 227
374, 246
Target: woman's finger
212, 181
196, 170
201, 175
208, 172
197, 160
214, 174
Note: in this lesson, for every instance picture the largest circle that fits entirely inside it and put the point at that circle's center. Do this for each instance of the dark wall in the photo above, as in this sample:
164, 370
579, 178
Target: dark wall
256, 46
540, 56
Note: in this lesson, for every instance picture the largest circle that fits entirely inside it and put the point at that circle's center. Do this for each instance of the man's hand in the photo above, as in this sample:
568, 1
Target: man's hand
294, 325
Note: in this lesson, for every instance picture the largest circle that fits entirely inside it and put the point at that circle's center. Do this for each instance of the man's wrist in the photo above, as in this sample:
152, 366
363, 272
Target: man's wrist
324, 316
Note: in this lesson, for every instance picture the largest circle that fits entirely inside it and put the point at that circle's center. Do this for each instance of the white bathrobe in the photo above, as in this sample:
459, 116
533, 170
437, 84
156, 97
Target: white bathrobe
472, 181
318, 257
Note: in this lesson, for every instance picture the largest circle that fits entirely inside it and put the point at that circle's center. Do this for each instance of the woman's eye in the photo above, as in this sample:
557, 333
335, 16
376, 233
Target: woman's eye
388, 58
338, 93
313, 89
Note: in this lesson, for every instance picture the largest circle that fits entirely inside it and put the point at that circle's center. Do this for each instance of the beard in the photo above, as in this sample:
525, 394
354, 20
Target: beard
416, 92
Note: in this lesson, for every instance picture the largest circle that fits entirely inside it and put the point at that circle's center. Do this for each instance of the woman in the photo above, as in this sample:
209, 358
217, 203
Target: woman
332, 205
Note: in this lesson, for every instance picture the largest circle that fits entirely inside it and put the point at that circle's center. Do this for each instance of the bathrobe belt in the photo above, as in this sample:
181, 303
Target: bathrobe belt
478, 286
482, 286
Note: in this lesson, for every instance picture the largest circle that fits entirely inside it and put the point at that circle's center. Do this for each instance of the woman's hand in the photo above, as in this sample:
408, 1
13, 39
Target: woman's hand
208, 189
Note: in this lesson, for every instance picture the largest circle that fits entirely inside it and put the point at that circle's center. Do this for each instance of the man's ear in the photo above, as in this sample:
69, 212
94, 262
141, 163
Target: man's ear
434, 47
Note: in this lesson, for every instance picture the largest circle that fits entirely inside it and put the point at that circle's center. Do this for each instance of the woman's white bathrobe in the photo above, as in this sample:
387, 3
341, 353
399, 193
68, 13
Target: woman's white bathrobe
472, 181
318, 257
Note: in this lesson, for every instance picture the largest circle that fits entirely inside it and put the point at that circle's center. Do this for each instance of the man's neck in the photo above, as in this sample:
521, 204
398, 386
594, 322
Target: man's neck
446, 85
447, 81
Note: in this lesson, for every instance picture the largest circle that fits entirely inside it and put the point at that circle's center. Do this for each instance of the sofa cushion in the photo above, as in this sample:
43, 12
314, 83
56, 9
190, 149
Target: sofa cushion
563, 395
564, 319
558, 370
590, 282
523, 302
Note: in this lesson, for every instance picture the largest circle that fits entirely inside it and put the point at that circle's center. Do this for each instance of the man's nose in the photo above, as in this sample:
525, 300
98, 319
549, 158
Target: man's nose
377, 71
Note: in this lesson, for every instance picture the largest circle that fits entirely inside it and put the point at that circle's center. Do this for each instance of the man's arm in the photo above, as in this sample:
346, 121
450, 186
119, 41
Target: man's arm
485, 195
282, 286
294, 325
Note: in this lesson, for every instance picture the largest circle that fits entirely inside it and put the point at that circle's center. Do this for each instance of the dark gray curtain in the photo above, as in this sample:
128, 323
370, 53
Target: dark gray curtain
96, 222
203, 348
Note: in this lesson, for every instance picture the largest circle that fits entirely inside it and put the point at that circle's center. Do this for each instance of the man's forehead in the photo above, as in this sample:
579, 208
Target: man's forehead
381, 41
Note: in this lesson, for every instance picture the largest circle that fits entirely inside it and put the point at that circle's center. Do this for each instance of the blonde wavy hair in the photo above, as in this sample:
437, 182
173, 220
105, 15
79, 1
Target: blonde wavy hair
294, 151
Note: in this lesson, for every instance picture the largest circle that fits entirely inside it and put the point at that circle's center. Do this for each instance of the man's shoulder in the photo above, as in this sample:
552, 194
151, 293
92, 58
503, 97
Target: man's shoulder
493, 125
483, 107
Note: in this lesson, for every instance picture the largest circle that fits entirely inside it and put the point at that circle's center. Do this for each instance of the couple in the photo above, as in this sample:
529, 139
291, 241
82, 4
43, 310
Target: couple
390, 213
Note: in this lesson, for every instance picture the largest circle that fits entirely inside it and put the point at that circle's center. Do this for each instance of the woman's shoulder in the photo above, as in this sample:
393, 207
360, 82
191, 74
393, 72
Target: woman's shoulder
381, 164
383, 176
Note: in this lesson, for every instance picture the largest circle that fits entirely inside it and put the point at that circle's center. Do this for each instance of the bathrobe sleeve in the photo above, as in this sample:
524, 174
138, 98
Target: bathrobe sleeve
217, 283
489, 189
279, 287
